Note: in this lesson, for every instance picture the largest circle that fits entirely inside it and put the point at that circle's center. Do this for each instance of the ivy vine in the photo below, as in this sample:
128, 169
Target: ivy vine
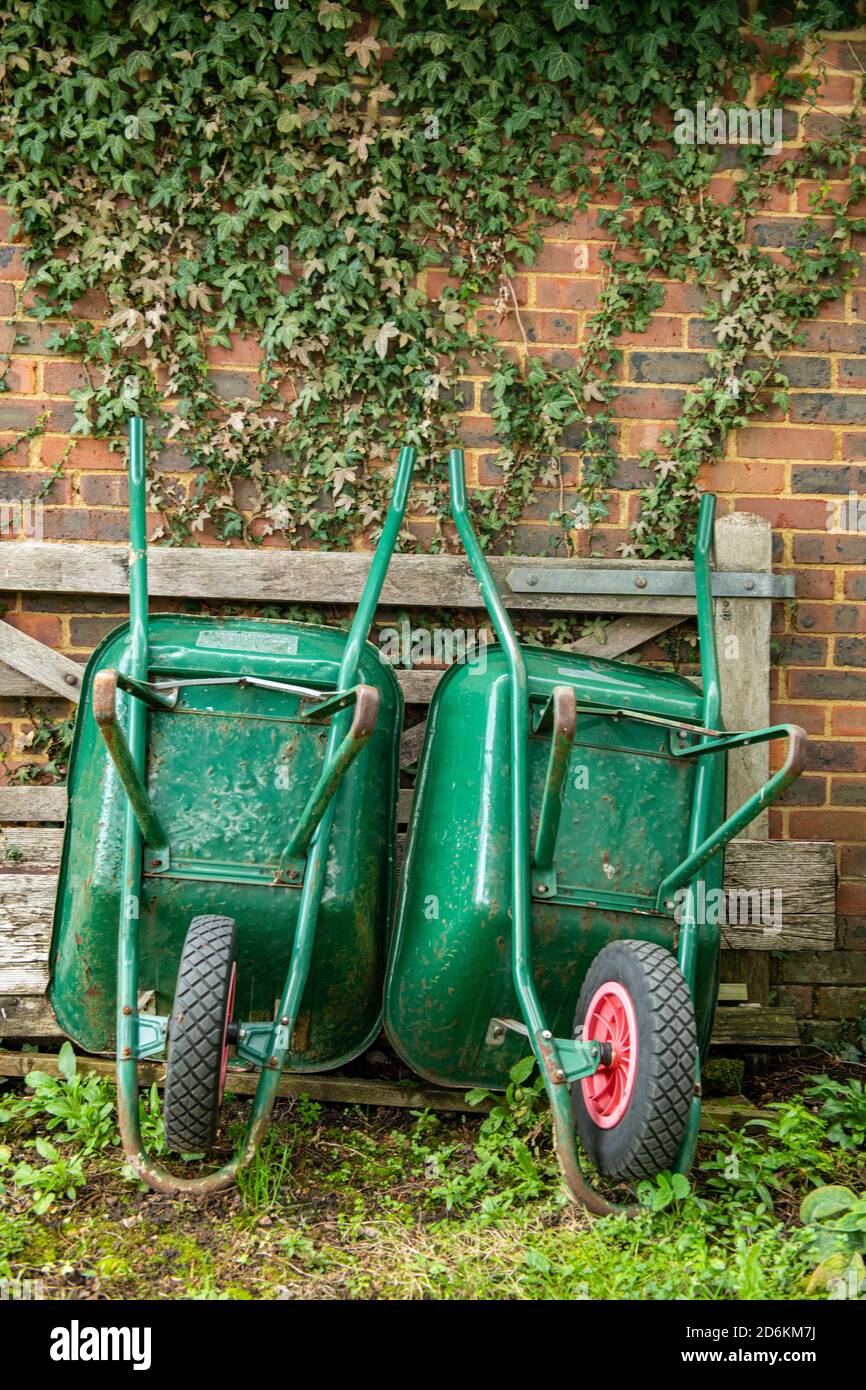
282, 174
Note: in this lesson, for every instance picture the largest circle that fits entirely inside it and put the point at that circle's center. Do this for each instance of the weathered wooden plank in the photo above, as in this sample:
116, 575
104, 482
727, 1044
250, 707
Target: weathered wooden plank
316, 576
27, 1016
731, 1112
29, 845
624, 635
34, 846
20, 804
52, 670
748, 1025
26, 912
14, 685
745, 542
338, 1090
802, 872
411, 743
733, 992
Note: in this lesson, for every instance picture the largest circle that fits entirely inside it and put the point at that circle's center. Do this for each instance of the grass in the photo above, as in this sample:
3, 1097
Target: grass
351, 1203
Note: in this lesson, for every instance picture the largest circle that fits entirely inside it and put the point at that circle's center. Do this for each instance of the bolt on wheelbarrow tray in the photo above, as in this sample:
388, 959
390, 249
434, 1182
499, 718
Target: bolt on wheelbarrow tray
228, 860
568, 822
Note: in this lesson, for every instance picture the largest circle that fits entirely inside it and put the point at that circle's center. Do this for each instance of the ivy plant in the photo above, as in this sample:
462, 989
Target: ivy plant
277, 182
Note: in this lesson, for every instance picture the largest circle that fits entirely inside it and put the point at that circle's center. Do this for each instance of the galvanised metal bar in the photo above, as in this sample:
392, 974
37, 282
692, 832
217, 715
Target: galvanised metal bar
145, 691
564, 725
622, 583
542, 1040
105, 685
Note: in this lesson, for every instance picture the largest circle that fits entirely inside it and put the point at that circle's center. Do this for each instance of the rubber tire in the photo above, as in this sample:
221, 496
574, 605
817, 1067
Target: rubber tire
647, 1139
196, 1030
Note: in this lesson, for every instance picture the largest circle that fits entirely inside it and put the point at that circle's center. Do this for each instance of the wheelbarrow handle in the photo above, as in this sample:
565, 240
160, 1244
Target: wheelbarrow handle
772, 789
105, 685
366, 700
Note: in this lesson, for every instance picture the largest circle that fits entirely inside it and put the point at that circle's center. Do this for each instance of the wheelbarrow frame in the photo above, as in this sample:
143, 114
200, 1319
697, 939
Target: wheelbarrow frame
562, 1061
351, 712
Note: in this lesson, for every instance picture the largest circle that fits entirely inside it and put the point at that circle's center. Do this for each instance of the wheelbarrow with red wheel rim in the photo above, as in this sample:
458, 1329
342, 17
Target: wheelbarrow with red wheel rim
228, 860
568, 822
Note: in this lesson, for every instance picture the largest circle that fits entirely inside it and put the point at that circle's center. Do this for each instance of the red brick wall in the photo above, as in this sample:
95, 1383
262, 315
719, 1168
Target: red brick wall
784, 469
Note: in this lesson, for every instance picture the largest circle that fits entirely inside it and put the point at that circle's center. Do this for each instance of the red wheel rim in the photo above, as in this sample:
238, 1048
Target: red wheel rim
230, 1008
610, 1018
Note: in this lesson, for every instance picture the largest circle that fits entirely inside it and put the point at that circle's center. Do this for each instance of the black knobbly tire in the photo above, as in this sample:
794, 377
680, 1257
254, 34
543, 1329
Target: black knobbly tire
196, 1034
646, 1136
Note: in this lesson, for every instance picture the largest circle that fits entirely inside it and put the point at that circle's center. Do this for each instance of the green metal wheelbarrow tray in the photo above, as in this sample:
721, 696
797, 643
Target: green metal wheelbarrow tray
229, 850
566, 813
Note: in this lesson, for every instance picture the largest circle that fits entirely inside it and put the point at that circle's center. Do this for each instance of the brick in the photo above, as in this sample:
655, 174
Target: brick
826, 407
836, 617
826, 685
660, 332
646, 436
93, 304
731, 475
11, 264
80, 524
104, 490
828, 756
827, 824
850, 651
849, 721
34, 338
831, 336
680, 367
567, 258
801, 650
852, 373
85, 453
848, 791
77, 603
683, 298
797, 998
809, 717
835, 478
763, 442
855, 586
15, 486
20, 378
824, 967
802, 371
786, 513
829, 550
852, 861
244, 351
643, 403
62, 377
566, 294
853, 447
816, 584
86, 633
477, 432
7, 300
782, 232
806, 791
838, 1002
43, 626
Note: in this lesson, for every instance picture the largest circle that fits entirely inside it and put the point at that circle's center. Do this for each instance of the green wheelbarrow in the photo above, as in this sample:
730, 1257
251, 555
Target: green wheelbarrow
228, 862
568, 824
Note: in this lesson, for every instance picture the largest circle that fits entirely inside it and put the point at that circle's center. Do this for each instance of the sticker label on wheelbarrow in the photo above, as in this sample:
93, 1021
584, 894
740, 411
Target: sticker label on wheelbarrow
279, 643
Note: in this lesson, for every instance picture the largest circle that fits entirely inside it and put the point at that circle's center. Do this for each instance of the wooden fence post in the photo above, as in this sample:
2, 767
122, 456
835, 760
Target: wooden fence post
744, 542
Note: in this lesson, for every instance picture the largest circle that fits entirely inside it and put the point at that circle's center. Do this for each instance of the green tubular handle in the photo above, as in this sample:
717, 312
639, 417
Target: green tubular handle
543, 1043
149, 1171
